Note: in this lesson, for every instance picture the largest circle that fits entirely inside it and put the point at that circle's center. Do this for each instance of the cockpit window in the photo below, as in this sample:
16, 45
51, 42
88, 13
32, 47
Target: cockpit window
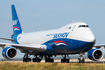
87, 26
83, 26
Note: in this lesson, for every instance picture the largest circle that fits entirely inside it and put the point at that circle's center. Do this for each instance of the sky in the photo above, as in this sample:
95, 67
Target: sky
38, 15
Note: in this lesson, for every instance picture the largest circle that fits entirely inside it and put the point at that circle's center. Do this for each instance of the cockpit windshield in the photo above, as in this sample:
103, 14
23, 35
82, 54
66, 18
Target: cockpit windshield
83, 26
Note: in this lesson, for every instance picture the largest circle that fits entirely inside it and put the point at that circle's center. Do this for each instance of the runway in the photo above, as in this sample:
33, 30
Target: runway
59, 61
76, 61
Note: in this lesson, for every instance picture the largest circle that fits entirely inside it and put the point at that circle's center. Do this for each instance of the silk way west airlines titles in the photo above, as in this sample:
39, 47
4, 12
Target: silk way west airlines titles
75, 38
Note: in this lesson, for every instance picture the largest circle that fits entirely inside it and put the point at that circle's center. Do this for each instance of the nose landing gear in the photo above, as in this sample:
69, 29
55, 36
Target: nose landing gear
81, 59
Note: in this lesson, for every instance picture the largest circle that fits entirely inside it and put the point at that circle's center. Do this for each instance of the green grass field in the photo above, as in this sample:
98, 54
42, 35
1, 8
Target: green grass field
50, 66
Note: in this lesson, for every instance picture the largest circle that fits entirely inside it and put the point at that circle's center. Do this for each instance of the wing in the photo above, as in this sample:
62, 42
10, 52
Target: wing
99, 45
39, 48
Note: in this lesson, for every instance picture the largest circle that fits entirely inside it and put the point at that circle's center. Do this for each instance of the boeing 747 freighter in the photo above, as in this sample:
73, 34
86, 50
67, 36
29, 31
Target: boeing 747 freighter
75, 38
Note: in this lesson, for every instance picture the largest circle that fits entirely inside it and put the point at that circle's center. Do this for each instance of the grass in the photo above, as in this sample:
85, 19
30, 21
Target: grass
50, 66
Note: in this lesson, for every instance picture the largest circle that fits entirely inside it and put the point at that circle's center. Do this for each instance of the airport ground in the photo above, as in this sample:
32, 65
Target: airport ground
59, 61
57, 65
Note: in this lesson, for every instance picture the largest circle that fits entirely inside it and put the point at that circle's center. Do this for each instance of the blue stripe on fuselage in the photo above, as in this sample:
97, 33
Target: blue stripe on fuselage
58, 46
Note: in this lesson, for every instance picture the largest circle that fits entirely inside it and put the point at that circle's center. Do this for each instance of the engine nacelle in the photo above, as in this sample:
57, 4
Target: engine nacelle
95, 54
9, 52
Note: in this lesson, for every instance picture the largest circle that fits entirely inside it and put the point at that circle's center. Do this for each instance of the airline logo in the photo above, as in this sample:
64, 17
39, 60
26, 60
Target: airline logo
59, 35
14, 22
16, 28
60, 42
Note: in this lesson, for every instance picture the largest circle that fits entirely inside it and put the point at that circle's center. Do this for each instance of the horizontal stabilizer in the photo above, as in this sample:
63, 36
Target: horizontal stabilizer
7, 39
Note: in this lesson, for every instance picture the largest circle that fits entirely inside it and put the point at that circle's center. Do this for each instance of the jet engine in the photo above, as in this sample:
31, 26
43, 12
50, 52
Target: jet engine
95, 54
9, 52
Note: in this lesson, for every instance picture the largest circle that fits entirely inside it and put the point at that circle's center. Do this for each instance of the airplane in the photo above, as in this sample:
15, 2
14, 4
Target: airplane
74, 38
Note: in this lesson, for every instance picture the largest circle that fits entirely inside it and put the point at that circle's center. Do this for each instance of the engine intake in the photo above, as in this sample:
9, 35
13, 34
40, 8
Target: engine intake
9, 52
95, 54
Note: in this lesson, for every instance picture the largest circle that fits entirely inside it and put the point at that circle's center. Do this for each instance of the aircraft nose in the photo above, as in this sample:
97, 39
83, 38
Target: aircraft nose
91, 37
87, 35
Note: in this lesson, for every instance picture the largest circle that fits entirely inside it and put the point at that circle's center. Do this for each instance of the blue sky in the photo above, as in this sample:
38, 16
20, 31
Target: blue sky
37, 15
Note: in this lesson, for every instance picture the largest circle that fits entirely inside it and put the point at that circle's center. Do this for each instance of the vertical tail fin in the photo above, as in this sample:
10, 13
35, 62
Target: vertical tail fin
16, 24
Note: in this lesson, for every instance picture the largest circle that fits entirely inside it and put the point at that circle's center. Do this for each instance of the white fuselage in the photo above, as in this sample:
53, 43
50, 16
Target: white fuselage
82, 33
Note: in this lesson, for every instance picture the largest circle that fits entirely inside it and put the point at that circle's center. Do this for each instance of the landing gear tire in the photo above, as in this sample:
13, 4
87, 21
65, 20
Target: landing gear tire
36, 60
49, 60
64, 60
81, 60
26, 59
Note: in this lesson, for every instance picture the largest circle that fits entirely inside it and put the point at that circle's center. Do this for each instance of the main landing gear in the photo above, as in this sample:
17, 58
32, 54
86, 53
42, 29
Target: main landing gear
49, 59
81, 59
37, 59
26, 59
64, 60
